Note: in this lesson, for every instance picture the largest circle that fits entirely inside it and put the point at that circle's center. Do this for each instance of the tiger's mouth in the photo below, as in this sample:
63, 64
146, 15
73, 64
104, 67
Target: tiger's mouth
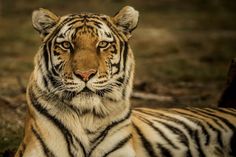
86, 90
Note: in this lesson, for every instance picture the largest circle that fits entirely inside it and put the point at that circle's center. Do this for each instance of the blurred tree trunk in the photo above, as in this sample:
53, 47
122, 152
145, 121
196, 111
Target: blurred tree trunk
228, 97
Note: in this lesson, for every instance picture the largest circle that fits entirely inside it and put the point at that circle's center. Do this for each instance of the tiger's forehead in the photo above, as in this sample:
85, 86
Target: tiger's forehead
77, 25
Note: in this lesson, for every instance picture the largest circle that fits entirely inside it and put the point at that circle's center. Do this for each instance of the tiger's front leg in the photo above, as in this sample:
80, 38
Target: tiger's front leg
29, 150
30, 147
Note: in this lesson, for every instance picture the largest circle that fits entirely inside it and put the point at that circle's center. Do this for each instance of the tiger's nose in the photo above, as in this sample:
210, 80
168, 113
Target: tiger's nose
85, 75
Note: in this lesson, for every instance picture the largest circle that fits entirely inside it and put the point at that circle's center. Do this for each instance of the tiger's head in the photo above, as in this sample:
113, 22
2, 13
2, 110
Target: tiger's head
85, 57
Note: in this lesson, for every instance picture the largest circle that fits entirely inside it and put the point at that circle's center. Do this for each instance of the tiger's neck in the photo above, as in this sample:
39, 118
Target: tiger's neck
86, 122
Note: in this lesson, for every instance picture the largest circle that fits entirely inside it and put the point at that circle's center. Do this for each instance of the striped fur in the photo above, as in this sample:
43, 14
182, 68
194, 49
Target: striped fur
189, 132
88, 114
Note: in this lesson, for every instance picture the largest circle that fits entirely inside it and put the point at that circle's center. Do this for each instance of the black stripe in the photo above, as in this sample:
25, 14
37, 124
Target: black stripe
22, 150
162, 134
56, 53
68, 29
63, 23
44, 78
67, 134
206, 115
54, 82
58, 67
72, 22
108, 34
223, 120
49, 47
164, 151
169, 118
118, 65
147, 145
125, 54
121, 46
114, 50
182, 137
119, 145
21, 153
46, 57
45, 82
54, 72
233, 113
109, 127
127, 79
233, 144
218, 132
190, 131
120, 80
98, 24
46, 150
195, 137
104, 133
198, 122
199, 147
48, 43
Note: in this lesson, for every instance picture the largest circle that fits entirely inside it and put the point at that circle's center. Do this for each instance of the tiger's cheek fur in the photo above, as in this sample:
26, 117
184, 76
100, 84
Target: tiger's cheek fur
105, 70
67, 71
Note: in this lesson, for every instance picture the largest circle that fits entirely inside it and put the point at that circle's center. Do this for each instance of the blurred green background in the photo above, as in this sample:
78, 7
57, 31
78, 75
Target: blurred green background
182, 50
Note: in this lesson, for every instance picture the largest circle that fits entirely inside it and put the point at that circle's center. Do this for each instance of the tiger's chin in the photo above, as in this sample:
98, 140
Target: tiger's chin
84, 93
87, 100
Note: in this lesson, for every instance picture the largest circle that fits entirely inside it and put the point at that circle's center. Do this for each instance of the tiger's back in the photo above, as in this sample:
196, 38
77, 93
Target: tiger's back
205, 132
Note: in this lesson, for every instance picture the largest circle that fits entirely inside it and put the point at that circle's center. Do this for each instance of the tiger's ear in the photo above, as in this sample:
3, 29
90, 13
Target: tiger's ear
126, 20
43, 21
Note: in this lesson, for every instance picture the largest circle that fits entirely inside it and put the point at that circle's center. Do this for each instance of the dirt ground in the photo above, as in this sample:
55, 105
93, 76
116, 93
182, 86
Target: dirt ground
182, 51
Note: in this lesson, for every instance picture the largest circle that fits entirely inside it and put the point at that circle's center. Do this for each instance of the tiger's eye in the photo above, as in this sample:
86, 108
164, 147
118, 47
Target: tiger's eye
66, 44
103, 44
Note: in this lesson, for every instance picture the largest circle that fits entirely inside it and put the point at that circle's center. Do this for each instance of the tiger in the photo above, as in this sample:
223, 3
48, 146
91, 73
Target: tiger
79, 92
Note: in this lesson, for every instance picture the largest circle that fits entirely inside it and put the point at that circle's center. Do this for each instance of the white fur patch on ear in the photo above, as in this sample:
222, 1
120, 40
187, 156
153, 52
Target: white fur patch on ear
43, 21
126, 19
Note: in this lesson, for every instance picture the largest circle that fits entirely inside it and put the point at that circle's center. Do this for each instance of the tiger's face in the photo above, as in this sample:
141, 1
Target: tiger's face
85, 56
